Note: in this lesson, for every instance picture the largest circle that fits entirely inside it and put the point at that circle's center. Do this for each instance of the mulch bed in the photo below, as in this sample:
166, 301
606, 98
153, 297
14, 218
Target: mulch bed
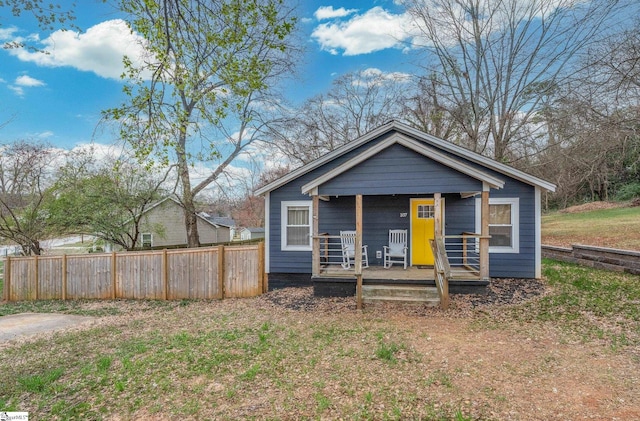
503, 291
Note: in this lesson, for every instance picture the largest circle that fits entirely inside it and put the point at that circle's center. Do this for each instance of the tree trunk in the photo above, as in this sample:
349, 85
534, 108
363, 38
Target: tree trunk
31, 248
191, 224
190, 217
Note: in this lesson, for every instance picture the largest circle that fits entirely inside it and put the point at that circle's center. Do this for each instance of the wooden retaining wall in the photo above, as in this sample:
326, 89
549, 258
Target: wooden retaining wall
596, 257
199, 273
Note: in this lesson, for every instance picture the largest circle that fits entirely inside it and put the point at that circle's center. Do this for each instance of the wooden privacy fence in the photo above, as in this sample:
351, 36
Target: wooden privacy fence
200, 273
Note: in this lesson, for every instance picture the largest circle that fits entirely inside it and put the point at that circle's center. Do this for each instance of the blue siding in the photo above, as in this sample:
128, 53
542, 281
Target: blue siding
399, 170
380, 214
300, 261
522, 264
459, 214
505, 265
388, 181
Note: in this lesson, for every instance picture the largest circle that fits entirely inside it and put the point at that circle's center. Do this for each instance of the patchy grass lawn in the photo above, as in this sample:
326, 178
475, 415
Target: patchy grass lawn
617, 227
570, 353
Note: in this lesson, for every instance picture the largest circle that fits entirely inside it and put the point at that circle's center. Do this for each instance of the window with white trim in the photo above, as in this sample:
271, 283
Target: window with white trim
146, 238
504, 226
296, 225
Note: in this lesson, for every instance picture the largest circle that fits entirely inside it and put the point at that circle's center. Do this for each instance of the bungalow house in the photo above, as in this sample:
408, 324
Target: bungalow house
485, 215
163, 226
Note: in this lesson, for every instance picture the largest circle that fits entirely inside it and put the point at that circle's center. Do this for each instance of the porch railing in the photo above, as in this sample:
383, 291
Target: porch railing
330, 250
442, 270
463, 252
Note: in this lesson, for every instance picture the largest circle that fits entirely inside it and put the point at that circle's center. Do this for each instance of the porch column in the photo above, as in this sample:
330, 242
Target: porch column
437, 215
358, 251
315, 254
484, 233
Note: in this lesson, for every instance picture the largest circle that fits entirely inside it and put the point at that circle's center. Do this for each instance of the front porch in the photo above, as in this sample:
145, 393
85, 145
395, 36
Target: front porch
459, 260
334, 280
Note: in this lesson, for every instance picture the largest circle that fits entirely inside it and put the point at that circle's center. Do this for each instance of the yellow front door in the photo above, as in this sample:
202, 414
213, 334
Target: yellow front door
422, 230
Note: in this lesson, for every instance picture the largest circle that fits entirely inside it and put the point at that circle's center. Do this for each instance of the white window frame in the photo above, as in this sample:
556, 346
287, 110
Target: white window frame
283, 224
515, 222
142, 239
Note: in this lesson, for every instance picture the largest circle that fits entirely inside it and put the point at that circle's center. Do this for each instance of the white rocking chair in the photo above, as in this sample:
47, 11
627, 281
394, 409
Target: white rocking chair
348, 242
396, 251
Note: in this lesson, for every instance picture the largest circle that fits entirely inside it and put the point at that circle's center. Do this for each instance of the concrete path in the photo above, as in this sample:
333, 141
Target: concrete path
28, 324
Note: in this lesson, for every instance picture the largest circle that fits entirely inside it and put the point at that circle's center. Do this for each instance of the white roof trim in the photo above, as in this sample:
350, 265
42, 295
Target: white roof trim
429, 139
479, 159
418, 147
325, 158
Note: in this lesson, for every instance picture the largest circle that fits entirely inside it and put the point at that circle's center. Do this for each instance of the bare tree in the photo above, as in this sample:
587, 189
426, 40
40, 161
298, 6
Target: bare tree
356, 103
24, 179
613, 67
593, 125
424, 110
497, 59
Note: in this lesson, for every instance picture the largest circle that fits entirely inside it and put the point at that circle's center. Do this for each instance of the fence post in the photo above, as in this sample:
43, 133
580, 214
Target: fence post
221, 271
36, 276
64, 276
261, 266
7, 278
165, 275
113, 275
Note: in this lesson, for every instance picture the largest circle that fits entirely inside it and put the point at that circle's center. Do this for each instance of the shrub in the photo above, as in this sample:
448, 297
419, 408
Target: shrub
628, 191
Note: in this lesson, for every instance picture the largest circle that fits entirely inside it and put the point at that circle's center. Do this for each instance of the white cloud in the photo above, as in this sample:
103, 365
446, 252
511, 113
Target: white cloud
328, 12
351, 33
100, 49
19, 91
45, 135
25, 80
374, 75
102, 151
375, 30
7, 34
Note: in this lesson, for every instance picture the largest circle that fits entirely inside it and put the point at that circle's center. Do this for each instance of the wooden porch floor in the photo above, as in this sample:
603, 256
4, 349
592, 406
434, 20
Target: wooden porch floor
395, 273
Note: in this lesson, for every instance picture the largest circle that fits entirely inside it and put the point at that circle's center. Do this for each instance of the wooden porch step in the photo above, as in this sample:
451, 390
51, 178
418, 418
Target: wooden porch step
409, 294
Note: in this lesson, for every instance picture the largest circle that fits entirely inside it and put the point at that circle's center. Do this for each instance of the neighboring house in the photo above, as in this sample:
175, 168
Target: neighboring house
251, 233
397, 177
163, 225
223, 221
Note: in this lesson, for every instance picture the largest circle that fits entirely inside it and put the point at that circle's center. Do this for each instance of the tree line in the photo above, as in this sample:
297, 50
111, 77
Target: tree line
547, 86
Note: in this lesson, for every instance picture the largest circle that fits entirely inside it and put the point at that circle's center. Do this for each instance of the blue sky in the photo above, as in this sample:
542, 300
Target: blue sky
58, 97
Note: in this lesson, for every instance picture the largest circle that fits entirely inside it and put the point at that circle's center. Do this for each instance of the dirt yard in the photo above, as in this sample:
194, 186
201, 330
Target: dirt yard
494, 371
323, 359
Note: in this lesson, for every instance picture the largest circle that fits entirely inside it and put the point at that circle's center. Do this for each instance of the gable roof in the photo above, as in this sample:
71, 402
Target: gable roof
172, 199
414, 145
225, 221
429, 140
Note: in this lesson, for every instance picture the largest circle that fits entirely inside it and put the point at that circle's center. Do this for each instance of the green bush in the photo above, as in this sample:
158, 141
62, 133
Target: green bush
628, 191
